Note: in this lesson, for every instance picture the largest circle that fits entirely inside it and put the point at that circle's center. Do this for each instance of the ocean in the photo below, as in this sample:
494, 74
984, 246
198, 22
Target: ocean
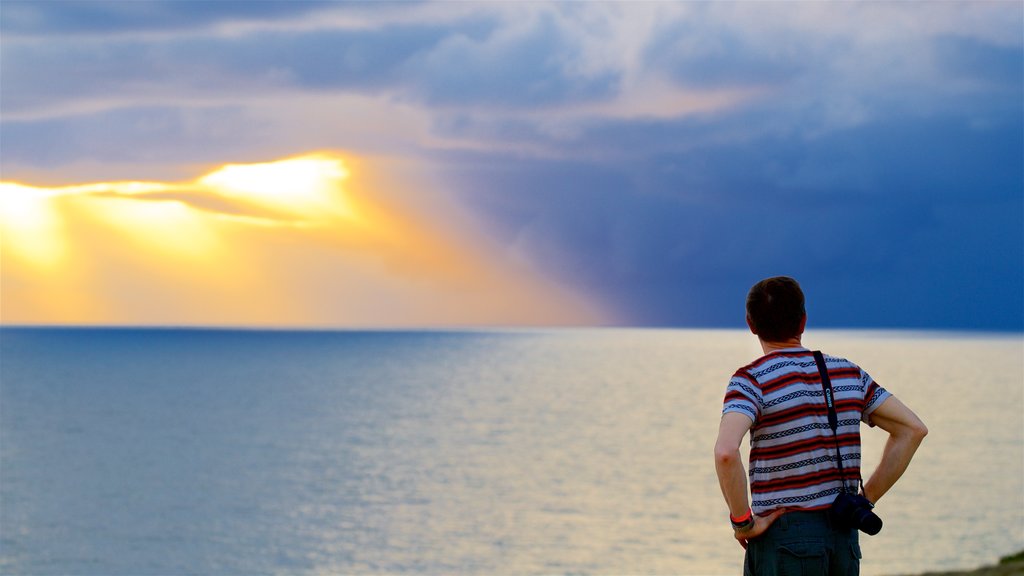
231, 452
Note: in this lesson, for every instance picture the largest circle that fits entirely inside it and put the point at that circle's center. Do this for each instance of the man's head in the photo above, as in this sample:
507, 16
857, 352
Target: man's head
775, 309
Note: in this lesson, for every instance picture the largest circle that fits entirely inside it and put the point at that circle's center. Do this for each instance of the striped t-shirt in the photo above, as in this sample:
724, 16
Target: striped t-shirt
792, 450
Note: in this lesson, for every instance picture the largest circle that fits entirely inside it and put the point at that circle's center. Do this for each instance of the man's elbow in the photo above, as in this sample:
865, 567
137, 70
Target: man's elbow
725, 456
918, 431
913, 432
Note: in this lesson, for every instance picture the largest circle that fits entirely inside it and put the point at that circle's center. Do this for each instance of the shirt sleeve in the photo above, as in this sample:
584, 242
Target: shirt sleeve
874, 395
743, 396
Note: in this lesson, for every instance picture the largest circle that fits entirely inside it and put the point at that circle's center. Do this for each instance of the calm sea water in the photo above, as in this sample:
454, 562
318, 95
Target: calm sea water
584, 452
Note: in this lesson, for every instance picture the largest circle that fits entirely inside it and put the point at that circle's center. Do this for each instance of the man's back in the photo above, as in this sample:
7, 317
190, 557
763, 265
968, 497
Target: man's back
793, 454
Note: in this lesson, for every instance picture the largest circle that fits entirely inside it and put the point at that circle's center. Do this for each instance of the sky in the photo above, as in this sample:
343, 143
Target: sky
419, 164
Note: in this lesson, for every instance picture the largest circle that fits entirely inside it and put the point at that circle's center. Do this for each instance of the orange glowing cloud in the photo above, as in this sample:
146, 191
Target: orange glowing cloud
315, 240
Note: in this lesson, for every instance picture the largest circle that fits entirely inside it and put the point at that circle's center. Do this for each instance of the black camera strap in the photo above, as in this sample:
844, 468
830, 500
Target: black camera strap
833, 419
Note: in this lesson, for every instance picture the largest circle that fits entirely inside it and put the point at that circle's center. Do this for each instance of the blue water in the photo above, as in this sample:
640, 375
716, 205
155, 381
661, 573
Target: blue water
503, 452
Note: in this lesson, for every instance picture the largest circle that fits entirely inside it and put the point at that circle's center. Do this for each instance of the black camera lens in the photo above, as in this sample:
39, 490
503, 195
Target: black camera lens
854, 511
867, 521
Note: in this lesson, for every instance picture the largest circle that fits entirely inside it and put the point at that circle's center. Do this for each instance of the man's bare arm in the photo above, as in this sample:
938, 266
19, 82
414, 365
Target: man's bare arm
906, 431
728, 462
733, 479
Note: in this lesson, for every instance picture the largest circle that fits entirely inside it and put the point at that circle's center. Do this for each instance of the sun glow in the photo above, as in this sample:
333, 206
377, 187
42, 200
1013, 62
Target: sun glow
307, 187
168, 227
299, 241
30, 226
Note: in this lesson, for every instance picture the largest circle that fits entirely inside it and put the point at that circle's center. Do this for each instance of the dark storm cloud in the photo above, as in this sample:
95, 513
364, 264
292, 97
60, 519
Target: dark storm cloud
908, 223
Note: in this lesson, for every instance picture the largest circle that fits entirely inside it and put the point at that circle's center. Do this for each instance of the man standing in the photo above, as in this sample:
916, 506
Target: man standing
795, 476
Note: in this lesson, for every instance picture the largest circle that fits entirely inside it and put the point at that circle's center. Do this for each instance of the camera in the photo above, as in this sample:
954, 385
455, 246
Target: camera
854, 511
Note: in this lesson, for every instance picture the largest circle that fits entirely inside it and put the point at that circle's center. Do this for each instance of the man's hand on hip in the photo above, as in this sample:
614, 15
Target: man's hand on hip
760, 524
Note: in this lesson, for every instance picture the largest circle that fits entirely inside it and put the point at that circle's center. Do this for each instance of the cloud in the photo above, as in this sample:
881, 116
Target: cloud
978, 63
130, 134
519, 58
522, 64
662, 156
97, 17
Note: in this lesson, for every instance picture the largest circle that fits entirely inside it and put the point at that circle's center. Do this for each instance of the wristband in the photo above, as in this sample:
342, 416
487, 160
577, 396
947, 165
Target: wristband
744, 520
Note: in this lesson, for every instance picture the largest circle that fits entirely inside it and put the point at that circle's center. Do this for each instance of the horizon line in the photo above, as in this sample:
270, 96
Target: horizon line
490, 328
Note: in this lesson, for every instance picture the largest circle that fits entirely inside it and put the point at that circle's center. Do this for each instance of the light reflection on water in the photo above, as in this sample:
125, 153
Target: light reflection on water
156, 452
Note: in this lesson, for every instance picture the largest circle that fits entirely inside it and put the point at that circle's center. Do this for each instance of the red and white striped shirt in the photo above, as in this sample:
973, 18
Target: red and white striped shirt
793, 453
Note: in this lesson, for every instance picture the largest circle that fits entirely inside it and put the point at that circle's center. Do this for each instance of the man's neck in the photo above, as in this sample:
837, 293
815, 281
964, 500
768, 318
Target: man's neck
770, 347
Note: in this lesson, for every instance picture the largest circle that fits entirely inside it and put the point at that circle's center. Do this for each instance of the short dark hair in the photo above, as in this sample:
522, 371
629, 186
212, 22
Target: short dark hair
775, 308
